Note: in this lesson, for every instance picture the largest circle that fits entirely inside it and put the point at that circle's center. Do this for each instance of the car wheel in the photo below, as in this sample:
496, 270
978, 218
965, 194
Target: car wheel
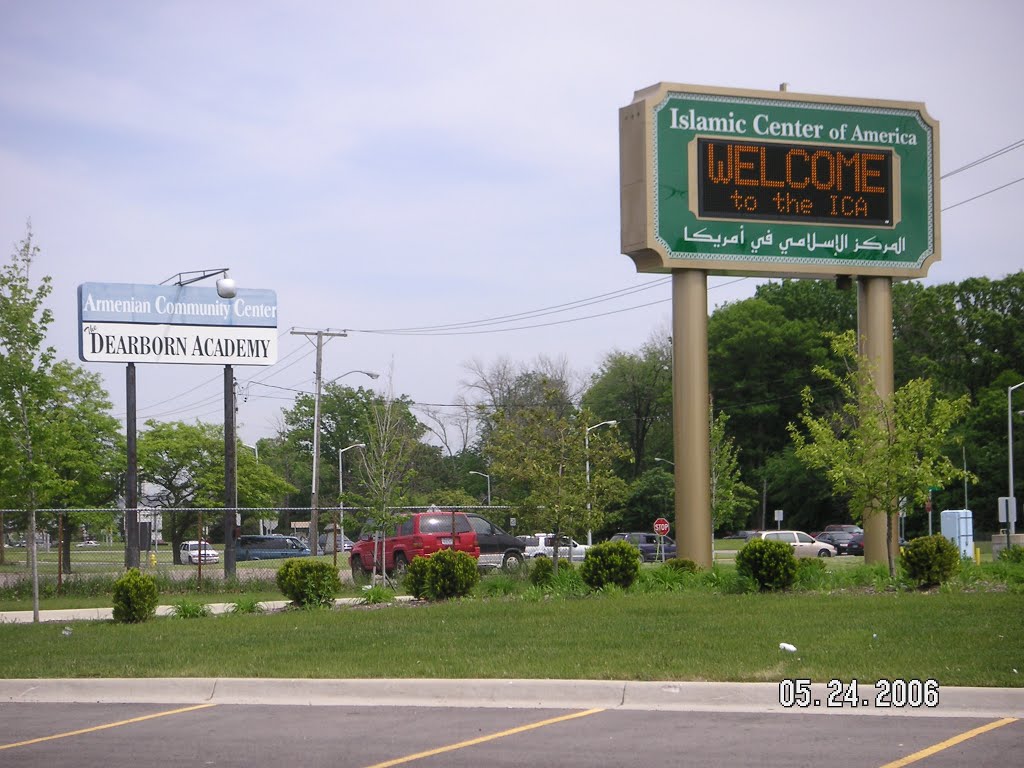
824, 553
512, 562
401, 565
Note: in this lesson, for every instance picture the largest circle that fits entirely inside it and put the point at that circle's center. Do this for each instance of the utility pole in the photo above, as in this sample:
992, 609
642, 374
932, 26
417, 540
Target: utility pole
230, 473
314, 496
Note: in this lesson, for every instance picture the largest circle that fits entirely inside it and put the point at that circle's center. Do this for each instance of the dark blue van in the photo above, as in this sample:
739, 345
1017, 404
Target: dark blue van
271, 546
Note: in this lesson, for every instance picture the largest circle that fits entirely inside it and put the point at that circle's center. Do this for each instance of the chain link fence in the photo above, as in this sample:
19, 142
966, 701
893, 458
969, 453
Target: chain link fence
82, 544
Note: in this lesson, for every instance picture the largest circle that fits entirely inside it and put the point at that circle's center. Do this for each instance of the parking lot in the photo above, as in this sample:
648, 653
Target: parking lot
309, 725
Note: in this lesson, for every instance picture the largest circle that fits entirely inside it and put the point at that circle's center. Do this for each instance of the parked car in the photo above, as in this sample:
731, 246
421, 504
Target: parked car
803, 544
855, 546
848, 527
745, 535
838, 539
326, 540
88, 543
652, 547
543, 545
271, 546
421, 533
498, 549
191, 554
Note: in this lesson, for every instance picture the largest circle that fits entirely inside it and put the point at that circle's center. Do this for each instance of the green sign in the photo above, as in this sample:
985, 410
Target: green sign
778, 183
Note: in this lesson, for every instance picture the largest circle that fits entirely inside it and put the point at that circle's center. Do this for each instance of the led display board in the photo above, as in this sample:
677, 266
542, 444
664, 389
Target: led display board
778, 183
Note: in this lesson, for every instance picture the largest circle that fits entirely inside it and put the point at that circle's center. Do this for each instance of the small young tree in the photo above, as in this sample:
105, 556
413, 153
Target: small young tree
28, 444
731, 498
878, 450
546, 453
386, 462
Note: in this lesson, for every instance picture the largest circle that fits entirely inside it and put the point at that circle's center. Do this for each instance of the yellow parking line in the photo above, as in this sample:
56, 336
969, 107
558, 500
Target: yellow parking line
483, 739
104, 727
929, 751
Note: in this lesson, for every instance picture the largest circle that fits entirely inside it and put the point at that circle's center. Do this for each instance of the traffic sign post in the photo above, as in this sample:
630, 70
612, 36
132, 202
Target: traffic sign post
661, 526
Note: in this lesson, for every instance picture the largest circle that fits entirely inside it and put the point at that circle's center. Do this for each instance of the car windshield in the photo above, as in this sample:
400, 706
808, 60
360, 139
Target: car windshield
443, 524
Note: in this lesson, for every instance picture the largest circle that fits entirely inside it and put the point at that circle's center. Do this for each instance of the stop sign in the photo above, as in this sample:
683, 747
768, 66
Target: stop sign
661, 526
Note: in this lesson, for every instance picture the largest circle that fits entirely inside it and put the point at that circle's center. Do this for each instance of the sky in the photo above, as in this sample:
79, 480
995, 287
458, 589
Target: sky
400, 165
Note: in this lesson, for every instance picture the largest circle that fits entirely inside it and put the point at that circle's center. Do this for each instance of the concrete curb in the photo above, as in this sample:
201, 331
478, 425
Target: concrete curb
482, 693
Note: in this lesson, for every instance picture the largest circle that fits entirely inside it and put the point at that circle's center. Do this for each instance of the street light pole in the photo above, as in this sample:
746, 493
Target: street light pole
1010, 524
341, 498
586, 450
483, 474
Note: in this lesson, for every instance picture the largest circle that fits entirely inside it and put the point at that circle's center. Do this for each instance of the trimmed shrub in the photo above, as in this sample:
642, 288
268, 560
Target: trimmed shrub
541, 571
930, 560
682, 564
308, 583
451, 574
416, 573
611, 562
770, 564
135, 597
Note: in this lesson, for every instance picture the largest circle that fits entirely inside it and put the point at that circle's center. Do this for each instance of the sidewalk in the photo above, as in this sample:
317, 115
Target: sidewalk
100, 614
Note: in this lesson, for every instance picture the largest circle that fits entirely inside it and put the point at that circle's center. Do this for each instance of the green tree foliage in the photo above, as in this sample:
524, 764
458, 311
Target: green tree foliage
28, 475
545, 452
59, 446
877, 450
636, 389
182, 466
961, 335
759, 360
732, 500
650, 496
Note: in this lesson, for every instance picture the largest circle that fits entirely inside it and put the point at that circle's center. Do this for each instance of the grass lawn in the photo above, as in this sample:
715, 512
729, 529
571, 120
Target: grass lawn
954, 637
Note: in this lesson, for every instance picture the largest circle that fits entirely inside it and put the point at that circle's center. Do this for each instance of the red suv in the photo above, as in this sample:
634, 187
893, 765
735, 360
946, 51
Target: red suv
421, 533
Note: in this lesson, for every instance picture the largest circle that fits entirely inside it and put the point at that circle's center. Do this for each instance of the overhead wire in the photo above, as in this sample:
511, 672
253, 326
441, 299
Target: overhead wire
486, 325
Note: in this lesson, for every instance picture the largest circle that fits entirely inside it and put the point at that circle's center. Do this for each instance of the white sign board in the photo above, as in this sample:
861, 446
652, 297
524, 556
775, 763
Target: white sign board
123, 322
1007, 509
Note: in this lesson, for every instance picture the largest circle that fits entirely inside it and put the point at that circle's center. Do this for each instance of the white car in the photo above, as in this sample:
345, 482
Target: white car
803, 544
191, 554
543, 545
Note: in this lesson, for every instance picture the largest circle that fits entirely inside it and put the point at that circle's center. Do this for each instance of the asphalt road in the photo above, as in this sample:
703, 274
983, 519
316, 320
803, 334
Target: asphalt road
373, 724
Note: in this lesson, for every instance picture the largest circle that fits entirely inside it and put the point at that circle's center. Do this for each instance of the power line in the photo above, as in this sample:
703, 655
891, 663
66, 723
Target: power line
996, 189
991, 156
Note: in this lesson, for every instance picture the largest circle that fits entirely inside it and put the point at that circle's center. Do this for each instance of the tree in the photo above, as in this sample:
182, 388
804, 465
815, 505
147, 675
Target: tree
544, 451
182, 467
650, 496
386, 462
27, 443
878, 450
731, 498
636, 390
759, 360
